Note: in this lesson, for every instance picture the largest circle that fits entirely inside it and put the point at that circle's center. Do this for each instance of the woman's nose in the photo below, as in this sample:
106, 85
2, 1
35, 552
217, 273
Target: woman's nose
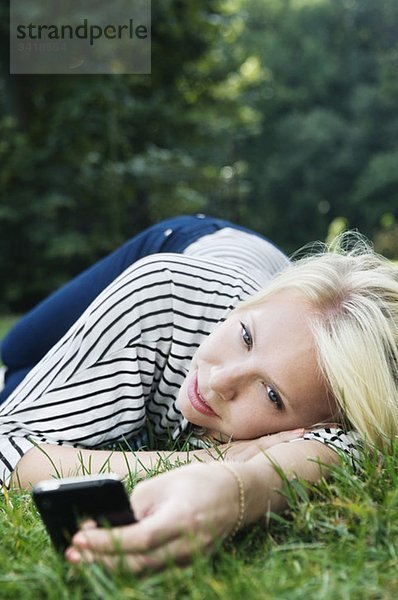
226, 380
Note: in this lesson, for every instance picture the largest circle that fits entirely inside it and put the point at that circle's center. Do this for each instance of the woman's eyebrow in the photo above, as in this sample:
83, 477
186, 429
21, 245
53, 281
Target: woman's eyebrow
270, 380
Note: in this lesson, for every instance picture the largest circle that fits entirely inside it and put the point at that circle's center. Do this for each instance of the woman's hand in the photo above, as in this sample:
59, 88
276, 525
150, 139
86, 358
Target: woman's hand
179, 513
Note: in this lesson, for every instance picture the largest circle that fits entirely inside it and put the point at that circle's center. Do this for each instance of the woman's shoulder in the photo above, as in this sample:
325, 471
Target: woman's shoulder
242, 248
347, 441
206, 271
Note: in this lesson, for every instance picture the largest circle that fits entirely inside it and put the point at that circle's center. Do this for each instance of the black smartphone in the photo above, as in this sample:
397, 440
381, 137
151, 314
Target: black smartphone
64, 503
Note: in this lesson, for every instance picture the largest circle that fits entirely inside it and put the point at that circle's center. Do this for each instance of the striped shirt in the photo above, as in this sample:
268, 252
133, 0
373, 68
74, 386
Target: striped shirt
257, 256
117, 371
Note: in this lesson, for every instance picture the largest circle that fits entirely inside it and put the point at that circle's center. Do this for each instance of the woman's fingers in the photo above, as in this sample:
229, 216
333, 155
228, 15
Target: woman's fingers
282, 436
88, 524
178, 551
245, 449
134, 563
156, 529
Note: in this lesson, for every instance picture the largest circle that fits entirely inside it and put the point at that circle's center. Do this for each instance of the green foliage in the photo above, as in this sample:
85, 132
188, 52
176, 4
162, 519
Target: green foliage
89, 161
327, 147
278, 114
6, 323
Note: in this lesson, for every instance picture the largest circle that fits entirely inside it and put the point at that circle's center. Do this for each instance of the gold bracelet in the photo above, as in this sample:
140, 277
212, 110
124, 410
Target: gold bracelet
241, 490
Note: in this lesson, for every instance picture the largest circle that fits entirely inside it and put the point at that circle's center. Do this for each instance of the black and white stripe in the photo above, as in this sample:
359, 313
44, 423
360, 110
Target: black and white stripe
249, 251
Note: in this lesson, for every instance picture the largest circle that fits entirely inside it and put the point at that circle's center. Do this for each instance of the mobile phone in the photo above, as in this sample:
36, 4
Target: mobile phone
64, 503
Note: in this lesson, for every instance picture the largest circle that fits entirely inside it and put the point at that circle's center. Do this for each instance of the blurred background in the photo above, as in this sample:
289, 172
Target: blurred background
281, 115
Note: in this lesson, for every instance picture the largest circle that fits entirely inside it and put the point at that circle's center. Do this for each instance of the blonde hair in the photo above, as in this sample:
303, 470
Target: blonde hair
354, 294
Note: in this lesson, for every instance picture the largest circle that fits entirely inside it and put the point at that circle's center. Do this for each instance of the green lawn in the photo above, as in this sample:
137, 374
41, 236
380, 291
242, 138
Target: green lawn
339, 541
5, 323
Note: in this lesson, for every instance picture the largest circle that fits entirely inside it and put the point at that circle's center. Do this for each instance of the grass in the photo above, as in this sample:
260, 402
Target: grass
6, 322
339, 540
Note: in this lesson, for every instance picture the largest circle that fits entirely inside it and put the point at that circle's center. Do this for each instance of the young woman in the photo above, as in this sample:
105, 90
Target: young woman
192, 235
162, 350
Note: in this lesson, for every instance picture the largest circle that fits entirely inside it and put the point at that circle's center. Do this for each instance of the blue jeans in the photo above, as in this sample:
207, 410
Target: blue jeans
33, 336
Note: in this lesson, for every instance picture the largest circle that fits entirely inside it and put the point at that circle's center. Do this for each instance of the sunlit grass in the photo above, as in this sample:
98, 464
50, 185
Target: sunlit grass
339, 540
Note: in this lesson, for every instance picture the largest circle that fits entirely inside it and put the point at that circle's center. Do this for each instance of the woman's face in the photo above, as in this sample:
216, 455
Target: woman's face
257, 373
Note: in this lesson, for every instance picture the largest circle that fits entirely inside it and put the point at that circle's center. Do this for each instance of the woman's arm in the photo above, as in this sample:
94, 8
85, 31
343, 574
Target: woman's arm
308, 460
191, 508
48, 460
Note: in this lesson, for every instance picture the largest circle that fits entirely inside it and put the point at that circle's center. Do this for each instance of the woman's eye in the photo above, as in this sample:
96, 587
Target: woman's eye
274, 397
246, 336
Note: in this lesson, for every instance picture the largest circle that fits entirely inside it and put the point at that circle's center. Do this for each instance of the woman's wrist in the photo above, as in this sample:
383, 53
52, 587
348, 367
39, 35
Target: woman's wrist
258, 488
241, 498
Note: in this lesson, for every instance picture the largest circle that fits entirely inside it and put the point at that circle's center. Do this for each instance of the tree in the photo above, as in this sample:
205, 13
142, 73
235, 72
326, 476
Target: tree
89, 160
328, 98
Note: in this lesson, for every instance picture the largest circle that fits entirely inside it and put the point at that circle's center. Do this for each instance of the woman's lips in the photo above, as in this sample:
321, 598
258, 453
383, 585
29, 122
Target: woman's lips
195, 398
